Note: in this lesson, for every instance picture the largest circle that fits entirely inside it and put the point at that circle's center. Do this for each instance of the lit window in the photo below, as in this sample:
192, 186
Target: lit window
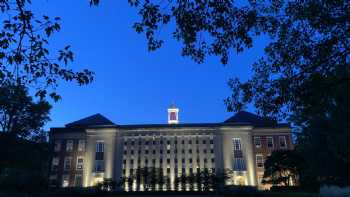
67, 163
172, 116
69, 145
57, 146
259, 161
283, 142
80, 163
81, 145
257, 142
269, 142
65, 181
236, 144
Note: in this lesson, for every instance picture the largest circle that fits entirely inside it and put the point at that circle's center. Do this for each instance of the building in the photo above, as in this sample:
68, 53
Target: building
87, 151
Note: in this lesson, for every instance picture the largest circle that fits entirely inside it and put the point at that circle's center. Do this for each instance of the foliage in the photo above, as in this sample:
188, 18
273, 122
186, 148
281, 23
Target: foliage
20, 116
24, 53
304, 75
23, 164
281, 168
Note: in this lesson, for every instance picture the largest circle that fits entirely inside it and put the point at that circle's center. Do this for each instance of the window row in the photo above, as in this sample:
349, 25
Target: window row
154, 142
183, 160
183, 151
282, 142
69, 144
78, 180
67, 164
176, 171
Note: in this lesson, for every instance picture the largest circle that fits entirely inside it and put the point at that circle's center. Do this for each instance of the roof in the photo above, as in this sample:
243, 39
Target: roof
94, 120
241, 118
250, 118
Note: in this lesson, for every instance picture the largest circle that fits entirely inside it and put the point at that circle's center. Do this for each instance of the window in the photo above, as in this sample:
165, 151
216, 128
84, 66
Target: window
175, 142
205, 151
80, 163
190, 151
283, 142
55, 163
269, 142
182, 141
154, 161
237, 144
57, 146
168, 151
67, 163
172, 116
81, 145
133, 142
257, 142
259, 161
190, 142
183, 151
125, 143
190, 160
211, 141
125, 152
69, 145
211, 150
132, 152
154, 152
183, 160
65, 180
168, 142
99, 166
168, 170
212, 160
146, 142
239, 164
99, 150
168, 161
146, 152
205, 160
204, 142
131, 161
100, 146
78, 182
99, 163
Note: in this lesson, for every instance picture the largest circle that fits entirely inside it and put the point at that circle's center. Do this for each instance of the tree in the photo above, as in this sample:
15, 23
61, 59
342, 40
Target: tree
20, 116
303, 76
24, 54
282, 168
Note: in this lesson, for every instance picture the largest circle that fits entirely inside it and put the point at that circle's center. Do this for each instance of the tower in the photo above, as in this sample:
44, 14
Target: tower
173, 114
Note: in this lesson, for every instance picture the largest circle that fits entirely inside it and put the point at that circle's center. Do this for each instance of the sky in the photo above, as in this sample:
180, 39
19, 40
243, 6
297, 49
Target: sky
132, 85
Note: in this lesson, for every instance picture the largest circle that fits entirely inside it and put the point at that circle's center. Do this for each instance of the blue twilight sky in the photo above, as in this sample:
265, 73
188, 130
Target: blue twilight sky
132, 85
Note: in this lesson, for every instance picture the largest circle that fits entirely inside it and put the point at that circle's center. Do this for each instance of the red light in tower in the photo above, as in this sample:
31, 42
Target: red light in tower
173, 116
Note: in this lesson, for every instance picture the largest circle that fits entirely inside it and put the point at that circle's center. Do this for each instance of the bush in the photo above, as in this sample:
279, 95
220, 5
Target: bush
334, 191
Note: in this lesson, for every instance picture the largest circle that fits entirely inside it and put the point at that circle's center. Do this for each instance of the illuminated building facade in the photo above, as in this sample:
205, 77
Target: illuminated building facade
90, 150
